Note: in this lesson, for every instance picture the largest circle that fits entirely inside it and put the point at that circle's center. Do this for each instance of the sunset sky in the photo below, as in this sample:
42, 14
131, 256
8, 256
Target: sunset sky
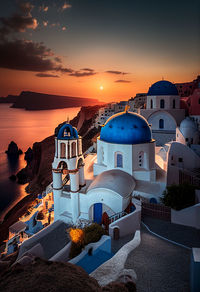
106, 49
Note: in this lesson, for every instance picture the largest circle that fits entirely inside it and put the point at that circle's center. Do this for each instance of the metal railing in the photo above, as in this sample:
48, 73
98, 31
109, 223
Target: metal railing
116, 216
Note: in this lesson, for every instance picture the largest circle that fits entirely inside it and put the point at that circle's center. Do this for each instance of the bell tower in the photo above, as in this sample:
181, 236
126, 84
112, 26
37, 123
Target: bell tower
68, 165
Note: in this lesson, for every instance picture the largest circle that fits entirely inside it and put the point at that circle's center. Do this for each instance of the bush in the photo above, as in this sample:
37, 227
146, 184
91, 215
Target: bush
75, 249
179, 196
92, 233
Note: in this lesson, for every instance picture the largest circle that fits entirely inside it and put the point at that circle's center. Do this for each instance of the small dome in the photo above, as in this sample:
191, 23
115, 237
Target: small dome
126, 128
163, 87
188, 123
189, 129
115, 180
67, 132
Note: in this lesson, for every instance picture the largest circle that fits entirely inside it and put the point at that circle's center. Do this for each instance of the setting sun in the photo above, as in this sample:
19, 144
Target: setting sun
101, 87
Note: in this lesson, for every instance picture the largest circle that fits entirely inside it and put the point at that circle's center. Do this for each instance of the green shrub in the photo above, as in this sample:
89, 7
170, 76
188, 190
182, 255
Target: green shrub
92, 233
179, 196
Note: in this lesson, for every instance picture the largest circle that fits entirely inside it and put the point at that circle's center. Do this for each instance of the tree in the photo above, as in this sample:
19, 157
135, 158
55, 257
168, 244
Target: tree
179, 196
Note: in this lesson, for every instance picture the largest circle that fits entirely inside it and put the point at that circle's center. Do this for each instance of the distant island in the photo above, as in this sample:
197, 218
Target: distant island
42, 101
8, 99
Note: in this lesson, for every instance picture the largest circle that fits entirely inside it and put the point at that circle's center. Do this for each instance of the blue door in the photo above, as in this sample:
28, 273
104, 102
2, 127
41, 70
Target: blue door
97, 212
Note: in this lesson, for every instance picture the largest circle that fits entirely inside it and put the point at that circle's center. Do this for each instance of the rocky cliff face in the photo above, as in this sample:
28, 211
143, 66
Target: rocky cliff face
41, 101
38, 170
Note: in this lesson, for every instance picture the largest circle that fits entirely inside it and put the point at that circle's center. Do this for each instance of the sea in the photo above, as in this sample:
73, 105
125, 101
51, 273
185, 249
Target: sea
24, 128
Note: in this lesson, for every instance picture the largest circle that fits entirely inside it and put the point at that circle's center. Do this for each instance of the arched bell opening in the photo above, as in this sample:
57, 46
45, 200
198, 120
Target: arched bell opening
65, 176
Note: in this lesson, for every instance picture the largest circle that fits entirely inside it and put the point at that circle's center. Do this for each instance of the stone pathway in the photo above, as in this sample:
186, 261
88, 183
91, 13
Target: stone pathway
161, 266
182, 234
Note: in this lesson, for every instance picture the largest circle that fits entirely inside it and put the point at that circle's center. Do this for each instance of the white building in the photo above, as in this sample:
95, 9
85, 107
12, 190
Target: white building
138, 101
106, 112
124, 166
181, 158
163, 111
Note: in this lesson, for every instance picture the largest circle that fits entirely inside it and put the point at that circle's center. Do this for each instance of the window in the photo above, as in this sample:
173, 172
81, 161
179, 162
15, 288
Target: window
174, 103
67, 132
151, 103
199, 100
162, 103
141, 159
180, 159
118, 159
62, 150
186, 139
161, 124
73, 149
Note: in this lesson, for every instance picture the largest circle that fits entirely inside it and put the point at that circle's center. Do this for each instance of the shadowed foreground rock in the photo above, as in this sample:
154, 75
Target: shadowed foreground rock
45, 276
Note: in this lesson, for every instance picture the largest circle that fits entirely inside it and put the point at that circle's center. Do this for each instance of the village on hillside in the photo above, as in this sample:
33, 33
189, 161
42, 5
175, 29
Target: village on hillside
139, 182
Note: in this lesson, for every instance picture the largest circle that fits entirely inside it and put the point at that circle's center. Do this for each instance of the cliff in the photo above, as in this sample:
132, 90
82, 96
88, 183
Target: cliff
38, 172
41, 101
8, 99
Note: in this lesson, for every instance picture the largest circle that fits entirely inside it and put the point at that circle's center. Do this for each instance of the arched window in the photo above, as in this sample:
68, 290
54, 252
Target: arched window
151, 103
67, 132
174, 103
62, 150
162, 103
73, 149
141, 159
118, 159
161, 124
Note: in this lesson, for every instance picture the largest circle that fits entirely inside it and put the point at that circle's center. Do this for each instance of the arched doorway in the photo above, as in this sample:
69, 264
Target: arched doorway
97, 213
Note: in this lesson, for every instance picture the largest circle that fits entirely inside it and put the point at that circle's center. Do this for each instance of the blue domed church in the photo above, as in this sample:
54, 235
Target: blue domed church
163, 111
103, 185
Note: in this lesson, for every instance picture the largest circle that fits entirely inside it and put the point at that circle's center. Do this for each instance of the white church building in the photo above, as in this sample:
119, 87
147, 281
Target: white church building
125, 166
163, 111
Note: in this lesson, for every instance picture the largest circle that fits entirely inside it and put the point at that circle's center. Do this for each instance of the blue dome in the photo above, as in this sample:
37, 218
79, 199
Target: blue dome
126, 128
163, 87
67, 132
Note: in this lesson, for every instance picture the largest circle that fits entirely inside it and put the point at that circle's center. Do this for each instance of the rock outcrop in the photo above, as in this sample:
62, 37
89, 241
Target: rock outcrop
8, 99
42, 275
13, 150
